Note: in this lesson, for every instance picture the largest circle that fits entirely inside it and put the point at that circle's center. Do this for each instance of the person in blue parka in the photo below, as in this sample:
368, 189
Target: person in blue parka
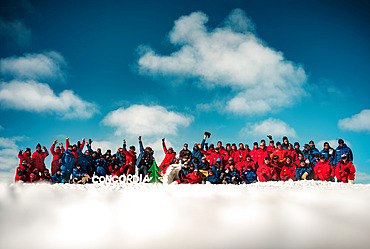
57, 177
329, 153
303, 170
67, 162
249, 176
144, 160
211, 178
86, 159
232, 175
342, 149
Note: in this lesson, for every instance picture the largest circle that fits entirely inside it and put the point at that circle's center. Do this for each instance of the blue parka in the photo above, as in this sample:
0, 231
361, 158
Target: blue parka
57, 178
342, 150
301, 170
249, 176
329, 154
76, 172
67, 162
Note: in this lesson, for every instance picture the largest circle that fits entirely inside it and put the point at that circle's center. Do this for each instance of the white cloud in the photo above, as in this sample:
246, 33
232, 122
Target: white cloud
146, 120
231, 56
8, 153
16, 30
271, 126
38, 97
35, 66
363, 177
358, 122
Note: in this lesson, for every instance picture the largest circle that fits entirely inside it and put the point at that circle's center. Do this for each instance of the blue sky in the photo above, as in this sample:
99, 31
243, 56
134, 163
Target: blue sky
239, 69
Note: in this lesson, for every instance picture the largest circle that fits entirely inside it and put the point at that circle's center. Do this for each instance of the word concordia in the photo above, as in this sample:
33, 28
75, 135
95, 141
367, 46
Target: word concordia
123, 179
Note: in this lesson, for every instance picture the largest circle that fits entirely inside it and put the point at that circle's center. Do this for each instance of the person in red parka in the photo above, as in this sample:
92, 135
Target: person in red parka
254, 152
345, 170
45, 176
242, 165
277, 166
261, 154
34, 176
241, 151
169, 158
288, 171
266, 171
324, 171
292, 153
193, 177
129, 168
25, 155
23, 172
56, 152
38, 158
280, 152
271, 147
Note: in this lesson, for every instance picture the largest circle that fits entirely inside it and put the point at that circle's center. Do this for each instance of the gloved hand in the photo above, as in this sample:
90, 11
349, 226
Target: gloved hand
347, 170
207, 134
163, 140
20, 152
55, 142
269, 136
285, 178
329, 179
266, 177
304, 175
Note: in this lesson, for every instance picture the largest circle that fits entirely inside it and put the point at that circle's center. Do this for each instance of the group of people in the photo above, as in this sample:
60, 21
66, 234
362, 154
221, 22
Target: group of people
205, 163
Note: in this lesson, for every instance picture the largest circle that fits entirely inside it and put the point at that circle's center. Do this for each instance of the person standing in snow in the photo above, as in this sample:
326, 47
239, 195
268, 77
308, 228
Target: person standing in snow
170, 157
23, 172
129, 168
342, 149
144, 160
25, 155
38, 158
185, 154
56, 152
328, 152
345, 171
67, 162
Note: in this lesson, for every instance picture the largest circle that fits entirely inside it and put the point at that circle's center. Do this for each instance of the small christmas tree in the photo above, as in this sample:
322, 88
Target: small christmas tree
154, 173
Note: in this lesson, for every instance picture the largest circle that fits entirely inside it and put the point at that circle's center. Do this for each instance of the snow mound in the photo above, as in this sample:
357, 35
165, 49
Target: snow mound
302, 214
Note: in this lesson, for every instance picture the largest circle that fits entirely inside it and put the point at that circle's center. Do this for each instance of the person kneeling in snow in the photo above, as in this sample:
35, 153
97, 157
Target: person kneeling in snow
288, 171
266, 171
23, 172
345, 171
211, 178
193, 177
185, 170
57, 177
78, 176
324, 171
302, 170
45, 176
34, 176
249, 176
232, 175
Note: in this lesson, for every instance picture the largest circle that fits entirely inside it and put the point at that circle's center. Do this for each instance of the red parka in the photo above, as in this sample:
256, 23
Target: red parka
343, 175
268, 170
323, 170
167, 159
23, 173
55, 164
38, 159
288, 172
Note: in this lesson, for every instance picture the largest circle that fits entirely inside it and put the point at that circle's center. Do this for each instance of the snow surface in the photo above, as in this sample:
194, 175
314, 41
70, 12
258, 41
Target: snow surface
304, 214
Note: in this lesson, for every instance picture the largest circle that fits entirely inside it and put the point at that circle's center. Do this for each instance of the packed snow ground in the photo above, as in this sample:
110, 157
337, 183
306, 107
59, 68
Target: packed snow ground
303, 214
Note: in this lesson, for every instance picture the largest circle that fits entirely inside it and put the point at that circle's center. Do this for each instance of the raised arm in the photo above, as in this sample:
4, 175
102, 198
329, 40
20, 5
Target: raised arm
141, 145
164, 146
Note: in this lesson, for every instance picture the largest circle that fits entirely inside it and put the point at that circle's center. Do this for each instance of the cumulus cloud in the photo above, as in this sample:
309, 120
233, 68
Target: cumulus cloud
39, 97
34, 66
271, 126
146, 120
358, 122
16, 30
8, 153
231, 56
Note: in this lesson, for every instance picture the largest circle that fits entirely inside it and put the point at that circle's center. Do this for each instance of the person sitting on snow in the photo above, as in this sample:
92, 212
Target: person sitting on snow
211, 178
34, 176
249, 175
79, 176
232, 175
345, 171
204, 164
278, 165
185, 170
288, 171
23, 172
57, 177
45, 176
324, 171
302, 170
266, 171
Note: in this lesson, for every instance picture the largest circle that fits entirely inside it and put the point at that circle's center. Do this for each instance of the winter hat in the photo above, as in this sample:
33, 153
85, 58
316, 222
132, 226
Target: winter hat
132, 147
267, 158
255, 143
343, 156
311, 142
212, 146
285, 138
28, 149
326, 143
278, 143
322, 157
234, 144
296, 143
38, 145
58, 170
340, 141
247, 156
271, 141
306, 146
